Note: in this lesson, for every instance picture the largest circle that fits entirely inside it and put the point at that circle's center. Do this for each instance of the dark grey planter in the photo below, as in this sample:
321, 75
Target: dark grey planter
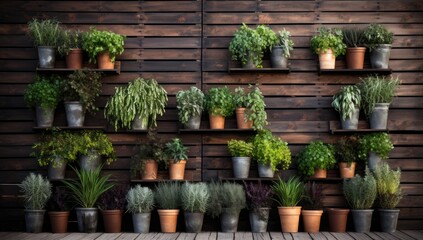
265, 171
57, 171
34, 220
362, 219
45, 117
193, 221
250, 63
259, 219
90, 161
46, 56
139, 123
372, 161
229, 220
388, 219
379, 56
87, 219
75, 114
379, 116
241, 166
352, 122
193, 123
277, 58
141, 222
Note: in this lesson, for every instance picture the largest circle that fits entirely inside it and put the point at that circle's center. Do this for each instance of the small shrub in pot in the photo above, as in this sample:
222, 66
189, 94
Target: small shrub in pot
140, 204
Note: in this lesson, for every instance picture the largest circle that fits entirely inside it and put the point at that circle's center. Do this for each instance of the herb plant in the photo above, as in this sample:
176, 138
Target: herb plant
114, 198
215, 190
240, 148
44, 32
36, 191
328, 39
96, 42
225, 195
313, 196
45, 92
190, 103
379, 143
167, 195
89, 140
195, 197
283, 40
258, 196
140, 199
288, 193
153, 149
347, 100
176, 150
359, 192
70, 39
59, 200
253, 101
346, 149
269, 149
316, 155
219, 101
388, 182
376, 34
353, 37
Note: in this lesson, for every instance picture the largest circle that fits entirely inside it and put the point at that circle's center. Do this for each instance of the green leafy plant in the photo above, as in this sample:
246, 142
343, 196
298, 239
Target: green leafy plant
225, 195
267, 36
283, 40
45, 92
353, 37
253, 101
36, 191
140, 199
219, 101
44, 32
346, 149
240, 148
379, 143
288, 193
271, 150
376, 34
313, 196
89, 141
347, 100
328, 39
316, 155
167, 195
190, 103
176, 150
195, 197
70, 39
258, 196
142, 98
96, 42
359, 192
388, 182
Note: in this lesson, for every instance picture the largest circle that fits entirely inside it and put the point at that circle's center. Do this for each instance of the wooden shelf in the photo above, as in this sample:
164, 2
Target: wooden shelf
328, 179
386, 71
160, 180
69, 128
262, 70
116, 70
335, 128
249, 179
205, 130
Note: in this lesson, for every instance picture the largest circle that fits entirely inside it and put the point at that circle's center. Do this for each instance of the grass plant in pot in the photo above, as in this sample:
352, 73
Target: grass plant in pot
140, 204
379, 40
220, 104
250, 108
71, 47
92, 146
373, 148
377, 93
241, 152
168, 198
143, 100
177, 154
312, 207
281, 49
346, 154
190, 104
288, 195
328, 45
347, 102
36, 191
112, 203
259, 202
195, 201
354, 39
44, 95
315, 159
58, 210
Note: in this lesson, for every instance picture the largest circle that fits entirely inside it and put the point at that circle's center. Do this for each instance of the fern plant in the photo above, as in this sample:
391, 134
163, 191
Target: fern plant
140, 199
36, 191
190, 103
360, 192
347, 100
283, 40
240, 148
195, 197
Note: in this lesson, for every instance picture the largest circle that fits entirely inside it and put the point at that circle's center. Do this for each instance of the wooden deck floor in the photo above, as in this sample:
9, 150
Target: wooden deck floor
406, 235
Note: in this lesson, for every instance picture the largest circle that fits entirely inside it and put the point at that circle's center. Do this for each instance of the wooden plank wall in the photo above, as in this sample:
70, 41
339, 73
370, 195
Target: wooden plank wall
183, 44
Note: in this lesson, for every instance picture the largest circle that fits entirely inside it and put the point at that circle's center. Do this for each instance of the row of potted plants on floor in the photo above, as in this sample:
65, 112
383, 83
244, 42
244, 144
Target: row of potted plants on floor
91, 191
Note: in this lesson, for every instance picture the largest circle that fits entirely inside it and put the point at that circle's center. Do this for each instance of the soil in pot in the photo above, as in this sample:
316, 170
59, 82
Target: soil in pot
311, 220
337, 219
74, 59
346, 170
355, 57
45, 117
240, 119
168, 219
319, 173
59, 221
216, 121
104, 61
327, 60
289, 218
150, 170
177, 170
141, 222
112, 220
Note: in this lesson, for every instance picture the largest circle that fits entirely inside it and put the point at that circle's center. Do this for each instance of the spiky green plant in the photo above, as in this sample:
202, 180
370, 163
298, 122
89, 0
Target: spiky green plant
195, 197
140, 199
215, 207
233, 197
176, 151
288, 193
353, 37
167, 195
44, 32
36, 191
388, 182
360, 192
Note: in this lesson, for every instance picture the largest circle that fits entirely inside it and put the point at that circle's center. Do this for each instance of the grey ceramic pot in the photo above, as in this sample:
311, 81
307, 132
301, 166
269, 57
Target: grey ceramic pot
372, 161
259, 219
90, 161
141, 222
352, 122
75, 114
379, 116
193, 221
46, 56
379, 56
45, 117
362, 219
388, 219
139, 123
277, 58
241, 166
229, 220
87, 219
34, 220
58, 171
193, 123
265, 171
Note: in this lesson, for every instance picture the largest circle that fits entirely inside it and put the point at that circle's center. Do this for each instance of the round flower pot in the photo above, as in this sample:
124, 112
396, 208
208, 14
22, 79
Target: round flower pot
311, 220
139, 123
277, 58
319, 173
241, 166
91, 161
216, 121
34, 220
327, 60
240, 119
74, 58
362, 219
289, 218
87, 219
59, 221
337, 219
379, 56
388, 219
168, 219
112, 220
150, 170
177, 170
44, 117
46, 56
229, 220
193, 122
265, 170
75, 114
352, 122
379, 117
193, 221
346, 170
259, 219
57, 172
250, 63
372, 161
141, 222
355, 57
104, 61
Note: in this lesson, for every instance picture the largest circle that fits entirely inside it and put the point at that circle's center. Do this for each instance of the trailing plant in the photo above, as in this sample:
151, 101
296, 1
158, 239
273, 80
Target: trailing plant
271, 150
359, 192
141, 98
45, 92
114, 198
283, 40
313, 196
96, 42
70, 39
267, 35
254, 103
327, 39
240, 148
91, 141
140, 199
219, 101
258, 196
353, 37
36, 191
167, 195
44, 32
317, 155
346, 149
176, 151
190, 103
230, 196
59, 200
376, 34
195, 197
379, 143
347, 100
288, 193
388, 182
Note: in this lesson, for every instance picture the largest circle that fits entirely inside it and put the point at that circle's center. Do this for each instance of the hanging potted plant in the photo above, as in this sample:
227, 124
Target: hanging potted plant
168, 199
220, 104
346, 153
46, 36
58, 210
259, 201
190, 104
143, 100
44, 95
111, 203
354, 39
315, 159
374, 147
36, 191
379, 40
103, 47
140, 204
281, 49
177, 154
288, 195
195, 201
328, 45
71, 48
377, 93
347, 102
250, 108
312, 207
241, 152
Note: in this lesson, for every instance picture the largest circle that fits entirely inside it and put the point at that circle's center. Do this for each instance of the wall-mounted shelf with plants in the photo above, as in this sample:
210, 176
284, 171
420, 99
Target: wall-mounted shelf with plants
208, 130
116, 69
355, 71
335, 128
70, 128
258, 70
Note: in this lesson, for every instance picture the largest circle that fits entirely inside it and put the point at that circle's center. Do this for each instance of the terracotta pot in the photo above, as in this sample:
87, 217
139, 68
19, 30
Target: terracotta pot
216, 121
337, 219
150, 170
168, 219
112, 220
346, 171
74, 59
311, 220
319, 173
177, 170
59, 221
104, 61
240, 119
355, 57
327, 60
289, 218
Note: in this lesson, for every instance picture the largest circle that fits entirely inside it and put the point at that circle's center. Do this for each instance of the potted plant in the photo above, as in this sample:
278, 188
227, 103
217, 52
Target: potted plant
92, 146
328, 45
58, 210
250, 108
177, 154
379, 40
71, 47
389, 194
270, 151
79, 94
103, 47
143, 99
315, 159
312, 207
347, 102
36, 191
259, 201
46, 36
111, 203
85, 191
168, 199
288, 195
190, 104
140, 204
377, 93
360, 194
220, 104
374, 147
354, 39
346, 153
337, 218
241, 152
281, 49
195, 200
44, 95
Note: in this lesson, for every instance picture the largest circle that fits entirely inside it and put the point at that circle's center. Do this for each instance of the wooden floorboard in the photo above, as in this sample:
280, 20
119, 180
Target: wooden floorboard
415, 234
108, 236
57, 236
301, 236
386, 236
343, 236
147, 236
276, 236
225, 236
243, 236
261, 236
206, 236
128, 236
402, 236
359, 236
318, 236
328, 235
287, 236
187, 236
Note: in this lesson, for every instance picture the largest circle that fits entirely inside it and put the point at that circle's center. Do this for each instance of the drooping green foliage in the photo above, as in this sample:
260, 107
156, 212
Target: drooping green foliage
190, 103
360, 192
269, 149
219, 101
253, 101
168, 195
347, 100
97, 41
326, 39
316, 155
36, 191
140, 199
240, 148
195, 197
45, 92
288, 193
